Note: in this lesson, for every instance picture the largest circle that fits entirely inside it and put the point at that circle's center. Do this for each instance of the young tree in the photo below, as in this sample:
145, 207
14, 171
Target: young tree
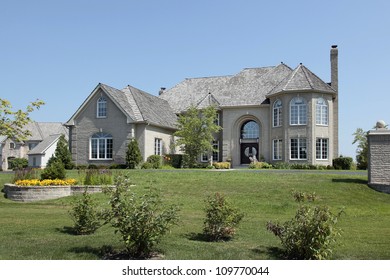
362, 148
63, 154
133, 154
12, 122
196, 130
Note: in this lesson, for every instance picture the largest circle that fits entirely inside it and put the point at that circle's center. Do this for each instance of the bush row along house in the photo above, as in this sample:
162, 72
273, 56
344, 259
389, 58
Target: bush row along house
37, 148
276, 114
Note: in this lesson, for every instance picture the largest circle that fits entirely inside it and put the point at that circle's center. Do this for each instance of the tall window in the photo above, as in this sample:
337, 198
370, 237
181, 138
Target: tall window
322, 148
250, 130
298, 111
101, 146
298, 148
216, 151
277, 113
277, 149
321, 112
101, 107
158, 146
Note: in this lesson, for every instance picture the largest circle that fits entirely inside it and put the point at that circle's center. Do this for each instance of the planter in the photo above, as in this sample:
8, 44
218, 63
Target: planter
37, 193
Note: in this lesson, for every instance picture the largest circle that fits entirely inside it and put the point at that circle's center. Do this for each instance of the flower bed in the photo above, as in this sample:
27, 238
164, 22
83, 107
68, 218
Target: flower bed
46, 182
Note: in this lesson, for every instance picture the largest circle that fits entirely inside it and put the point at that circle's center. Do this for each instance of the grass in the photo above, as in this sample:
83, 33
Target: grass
40, 230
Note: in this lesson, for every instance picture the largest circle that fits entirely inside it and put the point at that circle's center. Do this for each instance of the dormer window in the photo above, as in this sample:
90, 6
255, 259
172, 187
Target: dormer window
101, 108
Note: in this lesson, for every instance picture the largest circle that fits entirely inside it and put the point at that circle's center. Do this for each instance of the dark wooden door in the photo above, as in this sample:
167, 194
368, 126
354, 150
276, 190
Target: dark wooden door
249, 150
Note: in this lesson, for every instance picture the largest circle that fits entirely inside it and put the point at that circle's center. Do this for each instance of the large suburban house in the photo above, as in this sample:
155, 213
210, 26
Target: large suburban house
37, 148
276, 114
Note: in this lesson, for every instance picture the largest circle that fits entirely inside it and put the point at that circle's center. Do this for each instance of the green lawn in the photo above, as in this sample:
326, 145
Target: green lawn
40, 230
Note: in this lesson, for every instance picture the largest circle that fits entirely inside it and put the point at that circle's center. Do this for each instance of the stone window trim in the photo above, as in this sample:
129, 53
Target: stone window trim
277, 115
101, 146
298, 111
101, 108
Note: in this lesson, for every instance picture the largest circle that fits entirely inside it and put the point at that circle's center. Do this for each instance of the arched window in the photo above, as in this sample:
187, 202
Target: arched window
101, 146
101, 111
321, 112
250, 130
277, 113
298, 111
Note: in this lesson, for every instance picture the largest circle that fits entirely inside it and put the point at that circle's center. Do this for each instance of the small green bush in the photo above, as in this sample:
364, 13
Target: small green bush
140, 219
85, 215
155, 161
174, 160
281, 165
221, 218
133, 154
260, 165
344, 163
302, 196
18, 163
221, 165
55, 170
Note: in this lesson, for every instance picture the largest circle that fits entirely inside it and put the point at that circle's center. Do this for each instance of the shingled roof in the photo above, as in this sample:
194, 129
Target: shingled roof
248, 87
137, 105
302, 79
42, 147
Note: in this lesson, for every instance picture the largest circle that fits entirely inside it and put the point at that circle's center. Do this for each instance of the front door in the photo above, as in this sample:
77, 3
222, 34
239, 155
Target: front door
248, 152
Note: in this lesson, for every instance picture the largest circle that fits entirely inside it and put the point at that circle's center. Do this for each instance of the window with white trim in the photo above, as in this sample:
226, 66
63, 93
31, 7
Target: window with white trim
298, 111
277, 114
298, 148
277, 149
322, 148
321, 112
216, 120
158, 146
101, 146
215, 150
101, 111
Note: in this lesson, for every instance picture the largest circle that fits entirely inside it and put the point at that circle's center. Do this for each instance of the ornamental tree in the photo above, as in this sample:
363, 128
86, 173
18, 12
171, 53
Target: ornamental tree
196, 129
12, 122
362, 148
133, 154
63, 154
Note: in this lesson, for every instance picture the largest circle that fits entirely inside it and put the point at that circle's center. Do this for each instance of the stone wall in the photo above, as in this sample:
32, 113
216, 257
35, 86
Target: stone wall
36, 193
379, 159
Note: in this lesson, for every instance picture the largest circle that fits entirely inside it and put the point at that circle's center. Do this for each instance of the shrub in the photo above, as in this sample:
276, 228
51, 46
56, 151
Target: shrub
281, 165
174, 160
302, 196
92, 166
141, 220
344, 163
259, 165
63, 154
85, 215
221, 165
155, 161
133, 154
55, 170
18, 163
146, 165
117, 166
221, 218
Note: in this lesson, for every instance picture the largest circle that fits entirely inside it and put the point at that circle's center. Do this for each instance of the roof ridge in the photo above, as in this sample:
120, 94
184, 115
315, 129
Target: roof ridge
301, 66
39, 130
137, 111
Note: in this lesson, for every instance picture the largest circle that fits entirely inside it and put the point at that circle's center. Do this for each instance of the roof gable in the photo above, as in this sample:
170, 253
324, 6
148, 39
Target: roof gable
42, 147
302, 79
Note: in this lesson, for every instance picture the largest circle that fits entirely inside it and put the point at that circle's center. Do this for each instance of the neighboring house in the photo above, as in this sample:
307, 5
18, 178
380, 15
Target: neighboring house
40, 155
276, 114
10, 148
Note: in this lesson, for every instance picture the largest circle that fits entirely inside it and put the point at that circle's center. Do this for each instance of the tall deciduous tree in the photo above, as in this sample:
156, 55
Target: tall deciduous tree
12, 122
196, 129
362, 148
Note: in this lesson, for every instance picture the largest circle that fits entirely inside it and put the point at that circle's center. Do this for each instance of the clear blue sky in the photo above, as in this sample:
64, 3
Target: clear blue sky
59, 51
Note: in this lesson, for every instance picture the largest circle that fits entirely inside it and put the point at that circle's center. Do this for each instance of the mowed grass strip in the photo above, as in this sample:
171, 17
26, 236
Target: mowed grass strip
40, 230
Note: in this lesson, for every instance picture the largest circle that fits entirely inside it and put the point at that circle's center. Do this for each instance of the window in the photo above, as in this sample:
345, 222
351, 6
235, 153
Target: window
298, 149
101, 107
32, 146
250, 130
322, 148
277, 113
216, 120
101, 146
215, 150
12, 145
298, 111
277, 149
158, 146
321, 112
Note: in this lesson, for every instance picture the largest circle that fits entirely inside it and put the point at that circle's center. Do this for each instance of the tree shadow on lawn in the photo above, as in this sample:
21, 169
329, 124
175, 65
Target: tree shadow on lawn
350, 180
106, 252
67, 230
196, 236
275, 253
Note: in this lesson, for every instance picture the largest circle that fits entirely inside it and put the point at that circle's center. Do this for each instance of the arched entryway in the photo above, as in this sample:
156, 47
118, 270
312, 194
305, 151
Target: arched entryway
249, 141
